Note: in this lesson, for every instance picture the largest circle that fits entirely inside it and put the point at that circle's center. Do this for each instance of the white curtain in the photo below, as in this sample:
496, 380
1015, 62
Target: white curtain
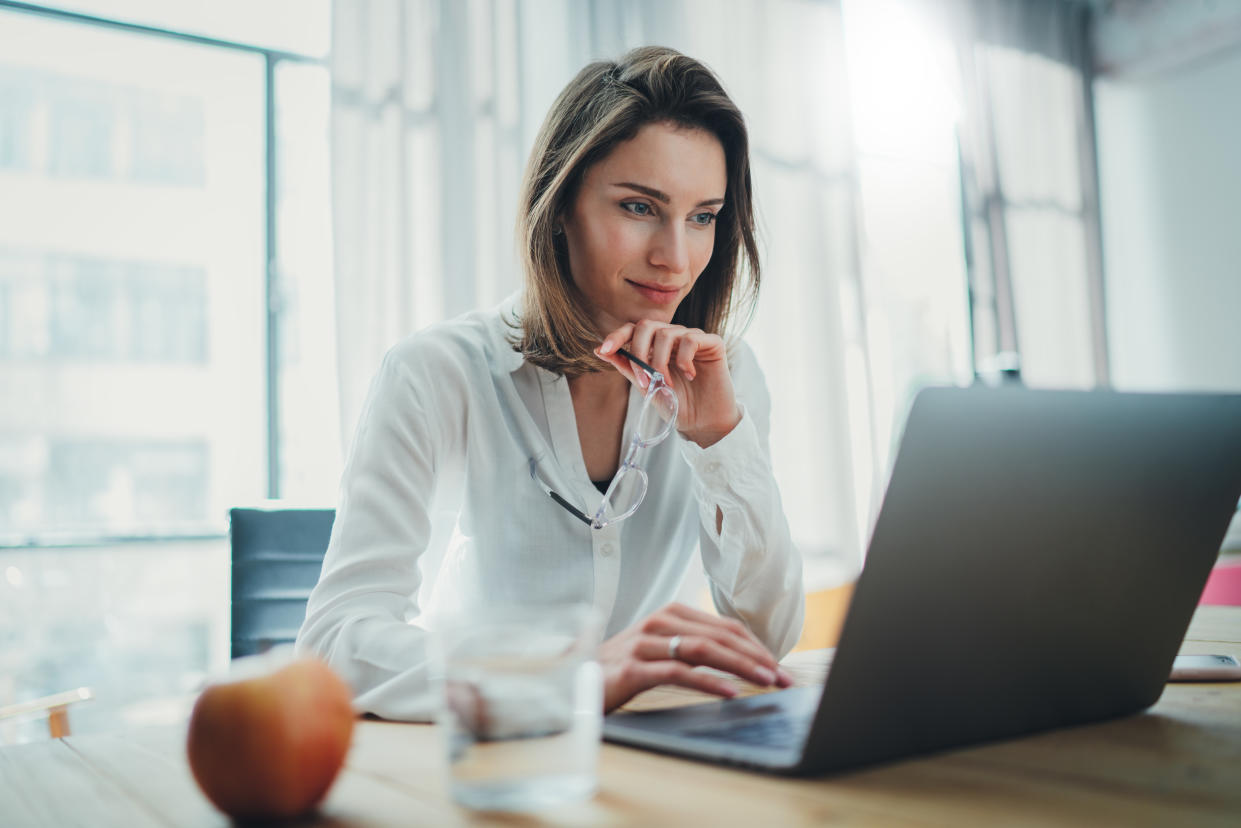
854, 110
784, 65
1030, 185
427, 151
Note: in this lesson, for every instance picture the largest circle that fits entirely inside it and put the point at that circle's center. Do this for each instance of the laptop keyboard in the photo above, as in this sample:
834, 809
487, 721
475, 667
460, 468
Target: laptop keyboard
764, 731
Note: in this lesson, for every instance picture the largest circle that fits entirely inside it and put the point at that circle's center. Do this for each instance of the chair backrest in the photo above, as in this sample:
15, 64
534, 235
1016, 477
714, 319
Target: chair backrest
277, 556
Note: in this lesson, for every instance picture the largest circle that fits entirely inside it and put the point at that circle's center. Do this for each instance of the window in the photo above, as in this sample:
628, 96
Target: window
16, 101
133, 277
1046, 222
307, 422
137, 278
166, 337
298, 26
916, 331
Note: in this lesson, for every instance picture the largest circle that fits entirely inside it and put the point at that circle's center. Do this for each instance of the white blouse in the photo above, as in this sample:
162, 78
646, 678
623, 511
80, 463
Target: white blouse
455, 406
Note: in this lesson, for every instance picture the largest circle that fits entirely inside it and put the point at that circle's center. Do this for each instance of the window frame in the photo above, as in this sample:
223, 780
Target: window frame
986, 208
272, 58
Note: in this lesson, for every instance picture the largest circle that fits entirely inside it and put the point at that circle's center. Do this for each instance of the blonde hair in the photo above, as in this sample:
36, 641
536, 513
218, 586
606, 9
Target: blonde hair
606, 104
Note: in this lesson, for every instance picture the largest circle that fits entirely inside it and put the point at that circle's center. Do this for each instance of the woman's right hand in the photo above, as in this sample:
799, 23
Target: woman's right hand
640, 657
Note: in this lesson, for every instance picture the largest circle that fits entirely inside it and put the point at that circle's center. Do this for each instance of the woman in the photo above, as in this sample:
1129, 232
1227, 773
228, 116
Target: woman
636, 225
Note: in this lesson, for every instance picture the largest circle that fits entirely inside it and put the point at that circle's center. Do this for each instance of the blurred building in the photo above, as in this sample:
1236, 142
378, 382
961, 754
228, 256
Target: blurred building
136, 220
98, 317
131, 343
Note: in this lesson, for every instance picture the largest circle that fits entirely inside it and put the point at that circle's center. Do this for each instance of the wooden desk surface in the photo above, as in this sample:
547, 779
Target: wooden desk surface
1177, 764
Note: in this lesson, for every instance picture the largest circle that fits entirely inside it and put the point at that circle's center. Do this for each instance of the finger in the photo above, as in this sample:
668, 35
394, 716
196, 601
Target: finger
689, 613
729, 626
622, 365
706, 652
662, 346
653, 673
687, 349
716, 631
641, 338
609, 351
708, 347
616, 339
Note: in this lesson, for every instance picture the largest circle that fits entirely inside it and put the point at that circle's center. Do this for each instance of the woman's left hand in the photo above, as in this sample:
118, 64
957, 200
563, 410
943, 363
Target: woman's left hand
694, 364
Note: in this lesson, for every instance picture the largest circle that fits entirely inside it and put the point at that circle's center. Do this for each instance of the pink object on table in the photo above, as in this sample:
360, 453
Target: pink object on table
1223, 586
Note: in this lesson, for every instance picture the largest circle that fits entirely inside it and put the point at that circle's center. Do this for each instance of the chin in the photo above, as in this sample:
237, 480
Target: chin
626, 310
657, 314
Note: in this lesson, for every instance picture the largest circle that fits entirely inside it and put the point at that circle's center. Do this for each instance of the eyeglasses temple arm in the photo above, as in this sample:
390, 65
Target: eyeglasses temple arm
572, 509
556, 497
636, 361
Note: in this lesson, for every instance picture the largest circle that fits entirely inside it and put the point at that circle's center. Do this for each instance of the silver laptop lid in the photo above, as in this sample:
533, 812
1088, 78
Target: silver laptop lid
1035, 564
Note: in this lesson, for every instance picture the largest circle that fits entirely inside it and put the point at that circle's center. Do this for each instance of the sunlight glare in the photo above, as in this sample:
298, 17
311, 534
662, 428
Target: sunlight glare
900, 71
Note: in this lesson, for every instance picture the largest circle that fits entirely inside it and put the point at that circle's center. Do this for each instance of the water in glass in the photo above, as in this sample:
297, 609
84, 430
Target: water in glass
522, 707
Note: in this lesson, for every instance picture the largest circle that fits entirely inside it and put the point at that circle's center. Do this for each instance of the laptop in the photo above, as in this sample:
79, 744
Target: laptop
1035, 565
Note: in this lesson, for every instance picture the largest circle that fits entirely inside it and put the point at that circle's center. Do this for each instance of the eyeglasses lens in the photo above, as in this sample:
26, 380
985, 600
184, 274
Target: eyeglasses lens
659, 414
626, 492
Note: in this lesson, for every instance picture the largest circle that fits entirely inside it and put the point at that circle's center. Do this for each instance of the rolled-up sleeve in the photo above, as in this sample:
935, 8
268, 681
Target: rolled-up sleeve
753, 568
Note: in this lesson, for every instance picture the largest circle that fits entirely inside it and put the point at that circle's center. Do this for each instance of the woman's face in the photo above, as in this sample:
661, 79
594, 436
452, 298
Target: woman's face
643, 225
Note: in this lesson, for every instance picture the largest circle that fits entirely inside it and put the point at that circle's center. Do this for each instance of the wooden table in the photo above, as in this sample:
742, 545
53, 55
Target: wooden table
1177, 764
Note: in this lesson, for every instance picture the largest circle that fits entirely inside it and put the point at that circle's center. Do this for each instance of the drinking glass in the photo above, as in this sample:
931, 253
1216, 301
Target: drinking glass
521, 707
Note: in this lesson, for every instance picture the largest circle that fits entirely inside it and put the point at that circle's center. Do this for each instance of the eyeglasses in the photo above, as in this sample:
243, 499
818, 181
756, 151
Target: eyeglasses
628, 487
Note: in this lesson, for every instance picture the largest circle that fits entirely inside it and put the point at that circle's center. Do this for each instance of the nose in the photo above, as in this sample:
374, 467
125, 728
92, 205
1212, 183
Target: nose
670, 247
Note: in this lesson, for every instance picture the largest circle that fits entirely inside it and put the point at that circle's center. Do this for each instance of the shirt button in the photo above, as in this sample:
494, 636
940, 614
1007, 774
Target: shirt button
714, 472
606, 550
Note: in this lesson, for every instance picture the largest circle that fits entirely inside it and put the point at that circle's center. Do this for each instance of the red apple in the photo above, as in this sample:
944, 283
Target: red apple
270, 747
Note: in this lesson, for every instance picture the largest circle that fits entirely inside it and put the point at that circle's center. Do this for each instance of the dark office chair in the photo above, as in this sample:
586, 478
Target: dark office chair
277, 556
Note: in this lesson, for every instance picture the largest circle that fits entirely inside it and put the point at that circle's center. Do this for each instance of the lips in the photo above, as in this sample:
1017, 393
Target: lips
659, 294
